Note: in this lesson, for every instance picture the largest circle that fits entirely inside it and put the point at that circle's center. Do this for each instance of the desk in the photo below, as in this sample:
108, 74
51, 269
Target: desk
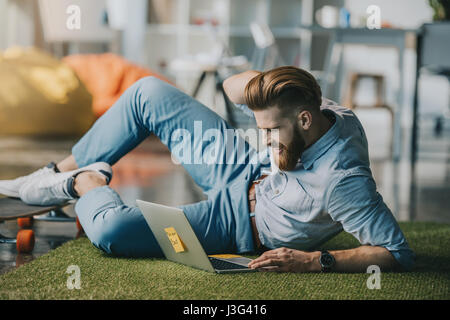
362, 36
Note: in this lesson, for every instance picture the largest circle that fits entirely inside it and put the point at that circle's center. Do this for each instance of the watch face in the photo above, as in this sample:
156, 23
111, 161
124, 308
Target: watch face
327, 259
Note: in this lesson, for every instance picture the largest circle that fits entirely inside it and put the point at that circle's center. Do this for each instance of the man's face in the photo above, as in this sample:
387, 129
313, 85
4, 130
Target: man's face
283, 135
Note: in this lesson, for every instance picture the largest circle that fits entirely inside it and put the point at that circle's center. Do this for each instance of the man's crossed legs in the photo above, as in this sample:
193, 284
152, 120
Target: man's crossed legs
153, 106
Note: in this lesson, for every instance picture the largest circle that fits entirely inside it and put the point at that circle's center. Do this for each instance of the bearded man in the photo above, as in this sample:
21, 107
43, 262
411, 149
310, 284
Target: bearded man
320, 183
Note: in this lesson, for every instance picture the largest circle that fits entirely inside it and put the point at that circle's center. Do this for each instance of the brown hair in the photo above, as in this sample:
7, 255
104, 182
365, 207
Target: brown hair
289, 88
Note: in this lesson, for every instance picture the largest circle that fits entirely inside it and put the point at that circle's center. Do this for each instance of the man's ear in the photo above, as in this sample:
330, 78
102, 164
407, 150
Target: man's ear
304, 119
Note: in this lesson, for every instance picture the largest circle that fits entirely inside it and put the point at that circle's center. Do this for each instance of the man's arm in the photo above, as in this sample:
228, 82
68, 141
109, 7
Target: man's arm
234, 86
359, 259
355, 203
351, 260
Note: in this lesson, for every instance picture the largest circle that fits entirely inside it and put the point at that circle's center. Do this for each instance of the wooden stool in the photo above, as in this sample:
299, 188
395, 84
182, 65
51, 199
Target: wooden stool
349, 102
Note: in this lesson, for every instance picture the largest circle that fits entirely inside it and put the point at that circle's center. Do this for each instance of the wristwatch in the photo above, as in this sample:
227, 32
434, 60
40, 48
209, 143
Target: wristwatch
326, 261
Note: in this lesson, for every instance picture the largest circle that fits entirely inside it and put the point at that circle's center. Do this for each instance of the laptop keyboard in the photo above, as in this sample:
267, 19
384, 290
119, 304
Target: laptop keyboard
224, 265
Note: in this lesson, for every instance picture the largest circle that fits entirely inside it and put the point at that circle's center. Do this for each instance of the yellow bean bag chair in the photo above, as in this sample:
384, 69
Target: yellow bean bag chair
40, 95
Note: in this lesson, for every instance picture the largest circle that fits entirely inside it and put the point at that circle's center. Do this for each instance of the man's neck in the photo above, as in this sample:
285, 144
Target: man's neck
319, 129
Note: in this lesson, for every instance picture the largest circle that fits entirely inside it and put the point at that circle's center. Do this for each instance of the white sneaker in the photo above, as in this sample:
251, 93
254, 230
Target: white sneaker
58, 188
11, 188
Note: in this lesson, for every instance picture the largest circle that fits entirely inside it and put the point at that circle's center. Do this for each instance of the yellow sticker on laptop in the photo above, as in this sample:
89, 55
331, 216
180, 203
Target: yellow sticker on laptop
175, 239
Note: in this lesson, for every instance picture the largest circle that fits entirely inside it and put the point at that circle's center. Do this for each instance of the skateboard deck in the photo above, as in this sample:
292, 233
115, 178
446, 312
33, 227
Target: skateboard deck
14, 208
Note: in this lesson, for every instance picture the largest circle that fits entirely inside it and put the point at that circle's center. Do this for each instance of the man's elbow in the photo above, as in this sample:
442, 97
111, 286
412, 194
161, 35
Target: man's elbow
389, 262
381, 257
228, 88
234, 86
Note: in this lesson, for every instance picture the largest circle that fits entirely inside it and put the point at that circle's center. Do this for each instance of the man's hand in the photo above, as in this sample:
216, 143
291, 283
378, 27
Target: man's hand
287, 260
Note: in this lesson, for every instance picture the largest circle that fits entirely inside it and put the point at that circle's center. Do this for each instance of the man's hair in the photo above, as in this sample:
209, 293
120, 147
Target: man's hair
289, 88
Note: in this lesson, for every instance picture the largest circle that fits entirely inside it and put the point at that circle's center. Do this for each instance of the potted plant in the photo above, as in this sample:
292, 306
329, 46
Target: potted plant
441, 9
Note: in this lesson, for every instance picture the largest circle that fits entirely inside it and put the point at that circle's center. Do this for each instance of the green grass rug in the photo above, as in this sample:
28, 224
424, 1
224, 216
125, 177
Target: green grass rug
105, 277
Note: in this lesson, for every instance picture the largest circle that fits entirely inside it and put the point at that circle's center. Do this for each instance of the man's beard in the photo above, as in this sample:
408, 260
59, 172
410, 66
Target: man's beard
289, 156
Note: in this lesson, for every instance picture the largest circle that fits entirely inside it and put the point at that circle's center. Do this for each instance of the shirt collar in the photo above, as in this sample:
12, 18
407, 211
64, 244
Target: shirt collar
316, 150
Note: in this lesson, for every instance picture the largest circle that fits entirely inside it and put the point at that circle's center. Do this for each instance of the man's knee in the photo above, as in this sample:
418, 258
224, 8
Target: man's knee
152, 94
151, 86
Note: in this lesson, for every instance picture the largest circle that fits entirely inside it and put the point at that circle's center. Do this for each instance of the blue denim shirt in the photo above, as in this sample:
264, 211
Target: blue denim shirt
330, 190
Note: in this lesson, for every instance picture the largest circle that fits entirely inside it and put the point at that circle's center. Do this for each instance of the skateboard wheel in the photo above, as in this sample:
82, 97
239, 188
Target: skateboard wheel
25, 241
79, 227
25, 222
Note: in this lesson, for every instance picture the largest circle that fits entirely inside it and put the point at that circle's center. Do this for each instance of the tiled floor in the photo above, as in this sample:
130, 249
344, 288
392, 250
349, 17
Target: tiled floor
148, 173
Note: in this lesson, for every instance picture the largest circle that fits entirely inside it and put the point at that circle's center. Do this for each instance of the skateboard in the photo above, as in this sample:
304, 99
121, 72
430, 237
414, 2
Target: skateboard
14, 208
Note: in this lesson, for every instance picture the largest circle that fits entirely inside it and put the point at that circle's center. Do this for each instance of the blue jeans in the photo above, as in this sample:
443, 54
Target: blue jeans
153, 106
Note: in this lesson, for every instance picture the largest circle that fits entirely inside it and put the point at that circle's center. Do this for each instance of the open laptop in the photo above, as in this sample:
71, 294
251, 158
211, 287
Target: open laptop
179, 243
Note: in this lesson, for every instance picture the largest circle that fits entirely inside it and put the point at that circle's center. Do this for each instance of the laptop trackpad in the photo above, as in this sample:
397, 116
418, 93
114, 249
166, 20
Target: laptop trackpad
241, 260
